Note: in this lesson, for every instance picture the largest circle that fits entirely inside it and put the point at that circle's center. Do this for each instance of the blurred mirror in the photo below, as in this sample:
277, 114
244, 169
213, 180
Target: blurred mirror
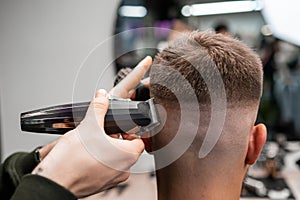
134, 14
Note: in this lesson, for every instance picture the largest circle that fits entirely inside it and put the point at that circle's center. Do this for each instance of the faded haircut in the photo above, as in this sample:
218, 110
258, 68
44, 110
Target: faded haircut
193, 56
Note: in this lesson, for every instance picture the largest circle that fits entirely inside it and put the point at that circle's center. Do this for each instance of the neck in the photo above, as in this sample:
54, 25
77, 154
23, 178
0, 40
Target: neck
194, 183
217, 176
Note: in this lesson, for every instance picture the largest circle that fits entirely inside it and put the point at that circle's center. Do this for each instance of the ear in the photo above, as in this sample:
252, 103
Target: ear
257, 140
147, 142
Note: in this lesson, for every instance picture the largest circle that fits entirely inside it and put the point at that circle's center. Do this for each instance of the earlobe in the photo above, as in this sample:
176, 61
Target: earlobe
147, 142
257, 139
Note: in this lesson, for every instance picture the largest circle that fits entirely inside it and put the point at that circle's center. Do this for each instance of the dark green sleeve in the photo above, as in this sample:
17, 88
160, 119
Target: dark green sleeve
13, 169
35, 187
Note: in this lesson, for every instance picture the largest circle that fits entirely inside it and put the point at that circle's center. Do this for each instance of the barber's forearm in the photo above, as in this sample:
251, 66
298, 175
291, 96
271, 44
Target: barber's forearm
35, 187
12, 171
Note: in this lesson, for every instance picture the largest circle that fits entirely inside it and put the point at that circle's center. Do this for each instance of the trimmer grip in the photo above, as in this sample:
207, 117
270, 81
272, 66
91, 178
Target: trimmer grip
121, 116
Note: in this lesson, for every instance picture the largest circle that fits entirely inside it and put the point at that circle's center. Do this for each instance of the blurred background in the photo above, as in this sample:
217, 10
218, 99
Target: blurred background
61, 51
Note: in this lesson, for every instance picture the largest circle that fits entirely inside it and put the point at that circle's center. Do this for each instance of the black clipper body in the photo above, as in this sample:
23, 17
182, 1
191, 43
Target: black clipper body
122, 116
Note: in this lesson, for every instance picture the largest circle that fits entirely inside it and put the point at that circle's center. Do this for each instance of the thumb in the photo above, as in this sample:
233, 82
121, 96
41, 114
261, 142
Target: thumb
133, 147
138, 144
99, 106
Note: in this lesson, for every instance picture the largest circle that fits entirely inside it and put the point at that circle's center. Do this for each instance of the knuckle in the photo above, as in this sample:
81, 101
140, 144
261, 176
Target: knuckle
125, 176
99, 104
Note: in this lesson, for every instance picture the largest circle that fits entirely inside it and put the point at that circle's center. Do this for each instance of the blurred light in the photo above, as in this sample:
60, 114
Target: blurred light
221, 8
283, 16
132, 11
266, 30
186, 11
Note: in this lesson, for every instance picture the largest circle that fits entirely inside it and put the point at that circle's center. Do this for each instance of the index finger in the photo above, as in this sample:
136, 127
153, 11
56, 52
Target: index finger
146, 82
132, 79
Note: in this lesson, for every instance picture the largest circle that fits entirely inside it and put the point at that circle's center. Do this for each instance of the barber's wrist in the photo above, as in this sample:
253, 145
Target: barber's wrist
53, 163
44, 171
39, 187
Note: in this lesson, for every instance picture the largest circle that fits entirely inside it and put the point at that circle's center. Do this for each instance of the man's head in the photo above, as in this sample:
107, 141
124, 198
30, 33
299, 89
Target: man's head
193, 55
184, 76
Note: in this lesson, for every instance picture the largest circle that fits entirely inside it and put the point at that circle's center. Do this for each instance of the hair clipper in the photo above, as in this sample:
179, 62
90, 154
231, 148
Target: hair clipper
122, 116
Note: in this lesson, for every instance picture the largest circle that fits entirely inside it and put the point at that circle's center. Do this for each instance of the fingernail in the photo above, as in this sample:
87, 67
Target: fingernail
102, 92
145, 61
147, 57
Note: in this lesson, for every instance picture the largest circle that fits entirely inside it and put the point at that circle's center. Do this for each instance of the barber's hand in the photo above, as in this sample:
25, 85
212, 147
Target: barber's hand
126, 87
86, 160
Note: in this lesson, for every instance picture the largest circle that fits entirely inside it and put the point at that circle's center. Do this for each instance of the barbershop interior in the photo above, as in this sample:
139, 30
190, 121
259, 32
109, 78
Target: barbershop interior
54, 56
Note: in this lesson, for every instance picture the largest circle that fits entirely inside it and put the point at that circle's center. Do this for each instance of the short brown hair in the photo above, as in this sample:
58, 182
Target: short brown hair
193, 55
